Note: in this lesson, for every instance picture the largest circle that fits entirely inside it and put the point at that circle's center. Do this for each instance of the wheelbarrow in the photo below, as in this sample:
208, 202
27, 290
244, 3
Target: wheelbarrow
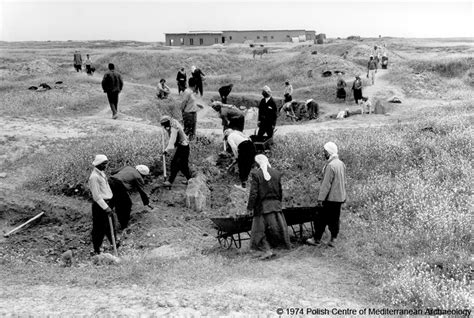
229, 229
262, 143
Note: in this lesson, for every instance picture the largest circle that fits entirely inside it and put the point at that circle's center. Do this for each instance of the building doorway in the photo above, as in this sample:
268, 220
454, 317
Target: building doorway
265, 38
223, 39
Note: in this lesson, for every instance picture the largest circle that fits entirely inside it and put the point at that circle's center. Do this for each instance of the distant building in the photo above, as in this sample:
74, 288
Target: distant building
197, 38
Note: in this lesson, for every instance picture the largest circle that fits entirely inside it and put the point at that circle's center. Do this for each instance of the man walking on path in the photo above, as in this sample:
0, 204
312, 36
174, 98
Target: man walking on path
88, 64
112, 84
198, 76
372, 69
77, 61
123, 182
331, 196
267, 113
288, 92
269, 228
178, 140
102, 203
244, 151
357, 89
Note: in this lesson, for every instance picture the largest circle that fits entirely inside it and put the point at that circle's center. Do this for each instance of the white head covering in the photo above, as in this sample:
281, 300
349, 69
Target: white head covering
144, 170
227, 132
263, 163
99, 159
193, 68
308, 101
331, 148
267, 89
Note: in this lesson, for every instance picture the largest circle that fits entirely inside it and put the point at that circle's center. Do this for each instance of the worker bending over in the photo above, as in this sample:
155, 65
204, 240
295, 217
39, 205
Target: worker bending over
123, 182
244, 151
231, 116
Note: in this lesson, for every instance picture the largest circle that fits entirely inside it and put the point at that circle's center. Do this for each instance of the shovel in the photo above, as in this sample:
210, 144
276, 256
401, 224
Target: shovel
22, 225
111, 225
164, 156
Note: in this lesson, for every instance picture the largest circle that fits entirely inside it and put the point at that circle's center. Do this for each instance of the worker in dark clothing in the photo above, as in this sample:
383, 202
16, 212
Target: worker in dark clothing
267, 113
123, 182
102, 203
224, 91
181, 79
180, 141
244, 151
269, 228
312, 109
112, 84
231, 116
77, 61
198, 76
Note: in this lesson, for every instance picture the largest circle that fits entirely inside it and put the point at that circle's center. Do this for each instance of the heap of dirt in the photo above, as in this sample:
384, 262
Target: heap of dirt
40, 66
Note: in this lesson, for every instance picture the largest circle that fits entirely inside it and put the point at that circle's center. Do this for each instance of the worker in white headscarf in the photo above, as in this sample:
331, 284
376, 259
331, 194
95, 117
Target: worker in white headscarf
269, 228
123, 182
102, 203
332, 195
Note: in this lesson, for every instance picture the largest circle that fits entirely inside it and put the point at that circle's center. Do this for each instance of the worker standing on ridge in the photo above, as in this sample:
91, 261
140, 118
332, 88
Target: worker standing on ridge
231, 116
371, 69
180, 141
244, 151
189, 108
181, 79
112, 84
102, 203
332, 195
357, 89
267, 113
269, 228
123, 182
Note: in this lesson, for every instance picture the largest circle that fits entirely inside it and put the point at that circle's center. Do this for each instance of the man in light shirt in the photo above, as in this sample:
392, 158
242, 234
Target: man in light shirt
102, 204
244, 151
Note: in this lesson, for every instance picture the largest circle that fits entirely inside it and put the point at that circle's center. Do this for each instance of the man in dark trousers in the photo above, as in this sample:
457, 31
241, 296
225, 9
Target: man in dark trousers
244, 152
180, 141
102, 203
267, 113
198, 76
123, 182
181, 79
224, 91
112, 84
231, 116
332, 195
78, 61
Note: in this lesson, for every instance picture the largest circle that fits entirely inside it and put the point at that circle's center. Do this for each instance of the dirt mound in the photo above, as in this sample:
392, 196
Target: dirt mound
40, 66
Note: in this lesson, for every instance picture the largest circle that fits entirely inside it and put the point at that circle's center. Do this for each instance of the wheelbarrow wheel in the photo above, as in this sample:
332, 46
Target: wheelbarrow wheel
224, 240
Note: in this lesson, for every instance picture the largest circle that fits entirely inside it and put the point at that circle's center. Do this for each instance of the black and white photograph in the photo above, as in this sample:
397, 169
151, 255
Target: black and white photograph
236, 158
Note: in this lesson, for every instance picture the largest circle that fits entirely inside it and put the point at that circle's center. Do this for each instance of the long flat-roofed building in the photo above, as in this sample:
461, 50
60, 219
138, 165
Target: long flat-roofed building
197, 38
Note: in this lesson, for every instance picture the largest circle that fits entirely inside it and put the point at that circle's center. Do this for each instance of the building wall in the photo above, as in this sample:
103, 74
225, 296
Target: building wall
254, 36
261, 36
198, 39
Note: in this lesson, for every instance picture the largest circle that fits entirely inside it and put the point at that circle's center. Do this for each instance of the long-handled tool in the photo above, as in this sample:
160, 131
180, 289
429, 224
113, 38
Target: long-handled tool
111, 225
22, 225
164, 156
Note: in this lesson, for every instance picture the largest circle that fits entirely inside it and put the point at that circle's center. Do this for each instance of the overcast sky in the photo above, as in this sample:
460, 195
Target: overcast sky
148, 20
